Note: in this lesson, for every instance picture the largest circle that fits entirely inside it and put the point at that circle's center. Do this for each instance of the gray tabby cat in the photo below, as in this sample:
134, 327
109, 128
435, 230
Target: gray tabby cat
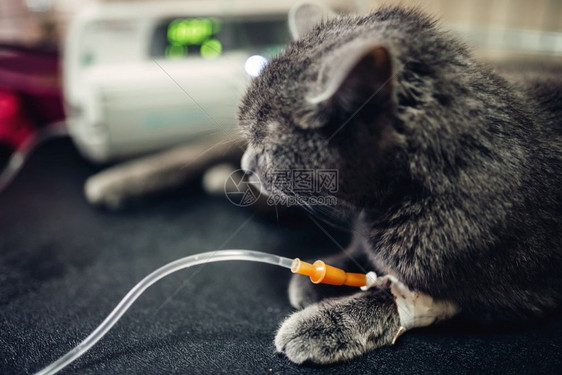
455, 172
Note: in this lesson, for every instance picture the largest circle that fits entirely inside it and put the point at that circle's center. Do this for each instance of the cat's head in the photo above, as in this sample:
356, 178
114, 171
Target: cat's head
361, 95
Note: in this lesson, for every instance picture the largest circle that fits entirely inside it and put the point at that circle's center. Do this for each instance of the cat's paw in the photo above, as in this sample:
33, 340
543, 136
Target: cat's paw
337, 329
105, 189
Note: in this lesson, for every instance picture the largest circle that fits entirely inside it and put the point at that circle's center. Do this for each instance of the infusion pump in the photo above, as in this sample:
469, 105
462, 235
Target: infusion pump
143, 76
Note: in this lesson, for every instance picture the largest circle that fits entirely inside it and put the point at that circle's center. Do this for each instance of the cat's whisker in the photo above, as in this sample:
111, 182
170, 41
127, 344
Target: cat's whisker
343, 250
331, 216
326, 213
277, 214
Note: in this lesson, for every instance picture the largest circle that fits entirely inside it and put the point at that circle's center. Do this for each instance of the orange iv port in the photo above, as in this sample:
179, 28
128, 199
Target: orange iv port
321, 273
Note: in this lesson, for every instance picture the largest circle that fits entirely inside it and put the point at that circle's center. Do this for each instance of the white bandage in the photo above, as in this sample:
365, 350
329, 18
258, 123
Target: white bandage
416, 309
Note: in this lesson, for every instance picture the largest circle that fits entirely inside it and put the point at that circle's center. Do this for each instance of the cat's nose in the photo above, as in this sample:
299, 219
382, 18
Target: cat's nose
249, 160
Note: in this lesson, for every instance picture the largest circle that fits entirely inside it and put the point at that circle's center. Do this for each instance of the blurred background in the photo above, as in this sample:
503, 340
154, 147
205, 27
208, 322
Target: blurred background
127, 78
493, 24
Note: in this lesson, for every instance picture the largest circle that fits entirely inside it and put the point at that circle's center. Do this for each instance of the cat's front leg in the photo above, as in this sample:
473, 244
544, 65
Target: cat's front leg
342, 328
338, 329
169, 169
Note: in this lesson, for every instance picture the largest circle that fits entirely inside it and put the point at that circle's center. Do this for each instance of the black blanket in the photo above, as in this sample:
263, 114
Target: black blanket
64, 265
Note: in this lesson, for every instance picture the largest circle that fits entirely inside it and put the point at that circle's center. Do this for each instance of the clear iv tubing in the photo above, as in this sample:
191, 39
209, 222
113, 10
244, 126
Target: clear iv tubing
127, 301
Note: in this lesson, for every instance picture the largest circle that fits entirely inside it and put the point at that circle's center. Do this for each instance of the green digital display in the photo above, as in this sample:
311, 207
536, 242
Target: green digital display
194, 34
210, 37
211, 48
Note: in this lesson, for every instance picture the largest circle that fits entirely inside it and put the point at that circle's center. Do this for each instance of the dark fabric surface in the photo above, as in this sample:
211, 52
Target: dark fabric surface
64, 265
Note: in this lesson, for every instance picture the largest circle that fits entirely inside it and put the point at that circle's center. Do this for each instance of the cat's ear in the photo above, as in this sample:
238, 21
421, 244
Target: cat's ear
303, 16
357, 75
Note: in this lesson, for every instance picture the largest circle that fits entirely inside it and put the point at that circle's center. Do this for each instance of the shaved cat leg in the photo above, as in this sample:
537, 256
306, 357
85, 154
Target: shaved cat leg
416, 309
154, 173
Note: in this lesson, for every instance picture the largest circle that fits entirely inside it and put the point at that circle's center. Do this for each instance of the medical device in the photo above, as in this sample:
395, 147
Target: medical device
143, 76
319, 272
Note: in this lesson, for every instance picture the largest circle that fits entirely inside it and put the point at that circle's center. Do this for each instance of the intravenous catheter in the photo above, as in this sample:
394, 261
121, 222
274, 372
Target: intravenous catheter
319, 273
